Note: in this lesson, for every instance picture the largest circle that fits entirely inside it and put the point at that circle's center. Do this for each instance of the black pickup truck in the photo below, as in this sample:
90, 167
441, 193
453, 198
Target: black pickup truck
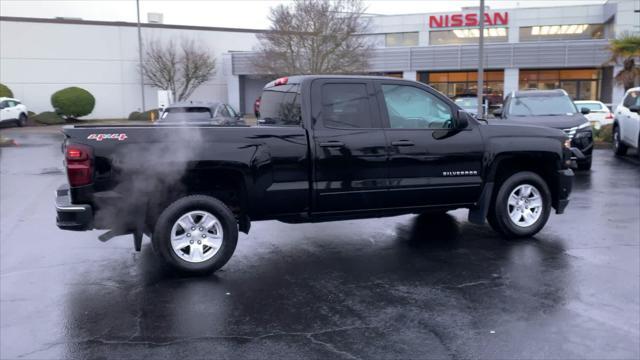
326, 148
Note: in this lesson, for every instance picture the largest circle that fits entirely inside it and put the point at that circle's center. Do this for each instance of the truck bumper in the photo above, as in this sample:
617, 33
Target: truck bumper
76, 217
563, 190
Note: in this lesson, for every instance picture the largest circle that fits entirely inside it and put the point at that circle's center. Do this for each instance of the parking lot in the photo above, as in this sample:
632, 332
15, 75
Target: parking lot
401, 287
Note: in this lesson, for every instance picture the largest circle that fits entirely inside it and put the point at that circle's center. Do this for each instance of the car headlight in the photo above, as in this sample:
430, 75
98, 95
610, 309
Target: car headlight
584, 126
567, 144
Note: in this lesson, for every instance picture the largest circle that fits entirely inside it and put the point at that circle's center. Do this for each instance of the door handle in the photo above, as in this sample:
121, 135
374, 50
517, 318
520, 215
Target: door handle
402, 143
332, 144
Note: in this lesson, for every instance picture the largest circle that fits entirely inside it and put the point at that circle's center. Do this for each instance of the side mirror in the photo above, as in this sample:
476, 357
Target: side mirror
461, 120
497, 112
635, 109
584, 111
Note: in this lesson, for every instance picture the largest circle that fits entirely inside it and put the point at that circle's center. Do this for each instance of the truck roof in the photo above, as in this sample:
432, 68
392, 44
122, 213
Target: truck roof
297, 79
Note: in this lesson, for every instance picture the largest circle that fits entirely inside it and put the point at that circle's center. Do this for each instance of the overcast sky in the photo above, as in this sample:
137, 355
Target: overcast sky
238, 13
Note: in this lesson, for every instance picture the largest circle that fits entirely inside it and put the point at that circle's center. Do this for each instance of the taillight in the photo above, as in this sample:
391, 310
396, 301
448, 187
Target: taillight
79, 164
609, 116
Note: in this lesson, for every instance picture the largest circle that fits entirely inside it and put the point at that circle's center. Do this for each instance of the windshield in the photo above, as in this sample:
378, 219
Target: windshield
542, 106
467, 103
186, 114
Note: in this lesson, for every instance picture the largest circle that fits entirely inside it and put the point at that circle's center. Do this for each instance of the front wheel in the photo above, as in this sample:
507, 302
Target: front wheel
619, 148
196, 234
22, 120
585, 165
521, 207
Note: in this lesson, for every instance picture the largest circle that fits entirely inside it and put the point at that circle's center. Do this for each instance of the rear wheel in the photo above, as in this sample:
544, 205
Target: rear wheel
619, 148
196, 234
521, 207
22, 120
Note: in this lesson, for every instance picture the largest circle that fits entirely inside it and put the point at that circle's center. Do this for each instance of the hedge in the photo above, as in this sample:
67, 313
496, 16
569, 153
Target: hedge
144, 116
48, 118
73, 102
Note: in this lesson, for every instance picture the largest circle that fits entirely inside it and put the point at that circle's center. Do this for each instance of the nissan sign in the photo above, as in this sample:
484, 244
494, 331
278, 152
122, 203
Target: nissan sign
469, 19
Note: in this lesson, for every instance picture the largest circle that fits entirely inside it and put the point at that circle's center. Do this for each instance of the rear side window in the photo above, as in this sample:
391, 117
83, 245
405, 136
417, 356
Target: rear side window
280, 105
346, 106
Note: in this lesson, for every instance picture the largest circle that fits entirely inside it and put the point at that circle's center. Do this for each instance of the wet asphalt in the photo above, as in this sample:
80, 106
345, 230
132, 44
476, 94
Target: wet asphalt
401, 287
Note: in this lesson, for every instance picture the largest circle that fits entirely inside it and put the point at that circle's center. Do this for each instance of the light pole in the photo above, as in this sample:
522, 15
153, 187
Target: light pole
140, 56
481, 60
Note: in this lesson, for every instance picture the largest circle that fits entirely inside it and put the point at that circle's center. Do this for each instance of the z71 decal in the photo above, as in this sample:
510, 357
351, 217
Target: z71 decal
100, 137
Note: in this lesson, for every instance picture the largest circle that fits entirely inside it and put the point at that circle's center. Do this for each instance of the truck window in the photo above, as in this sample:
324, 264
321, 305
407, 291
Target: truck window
280, 105
413, 108
633, 98
346, 106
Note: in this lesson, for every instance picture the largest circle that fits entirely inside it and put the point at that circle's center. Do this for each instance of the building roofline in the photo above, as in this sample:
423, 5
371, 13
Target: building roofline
127, 24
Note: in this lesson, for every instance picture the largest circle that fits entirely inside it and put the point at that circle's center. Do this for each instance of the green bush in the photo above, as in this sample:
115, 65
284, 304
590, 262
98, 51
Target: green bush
604, 134
134, 115
144, 116
73, 102
48, 118
5, 91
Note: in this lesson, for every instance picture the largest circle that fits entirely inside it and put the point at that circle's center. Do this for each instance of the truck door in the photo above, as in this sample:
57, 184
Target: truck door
349, 146
430, 163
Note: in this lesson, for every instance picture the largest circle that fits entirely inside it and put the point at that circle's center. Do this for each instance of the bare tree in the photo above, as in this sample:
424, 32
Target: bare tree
180, 68
315, 37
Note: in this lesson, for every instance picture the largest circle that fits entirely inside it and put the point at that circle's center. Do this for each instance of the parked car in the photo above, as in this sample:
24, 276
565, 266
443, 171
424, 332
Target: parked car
12, 110
256, 107
211, 113
599, 114
470, 104
552, 108
330, 148
626, 125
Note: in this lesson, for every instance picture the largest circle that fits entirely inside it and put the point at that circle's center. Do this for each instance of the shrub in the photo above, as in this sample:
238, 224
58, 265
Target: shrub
73, 102
134, 115
604, 134
144, 116
48, 118
5, 91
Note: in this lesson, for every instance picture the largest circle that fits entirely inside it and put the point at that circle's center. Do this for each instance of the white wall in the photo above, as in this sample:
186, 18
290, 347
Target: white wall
37, 59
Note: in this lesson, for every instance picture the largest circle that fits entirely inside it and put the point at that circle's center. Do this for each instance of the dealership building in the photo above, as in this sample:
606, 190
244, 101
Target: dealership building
543, 48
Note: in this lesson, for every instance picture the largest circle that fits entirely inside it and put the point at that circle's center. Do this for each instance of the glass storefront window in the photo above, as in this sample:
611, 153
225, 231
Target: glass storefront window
467, 36
580, 84
562, 32
401, 39
457, 83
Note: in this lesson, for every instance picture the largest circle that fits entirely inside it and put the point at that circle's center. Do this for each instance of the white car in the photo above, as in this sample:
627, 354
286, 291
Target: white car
599, 114
13, 110
626, 126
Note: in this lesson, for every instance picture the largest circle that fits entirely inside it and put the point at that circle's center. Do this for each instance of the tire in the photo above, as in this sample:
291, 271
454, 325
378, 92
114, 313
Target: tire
192, 254
499, 211
585, 165
619, 148
22, 120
